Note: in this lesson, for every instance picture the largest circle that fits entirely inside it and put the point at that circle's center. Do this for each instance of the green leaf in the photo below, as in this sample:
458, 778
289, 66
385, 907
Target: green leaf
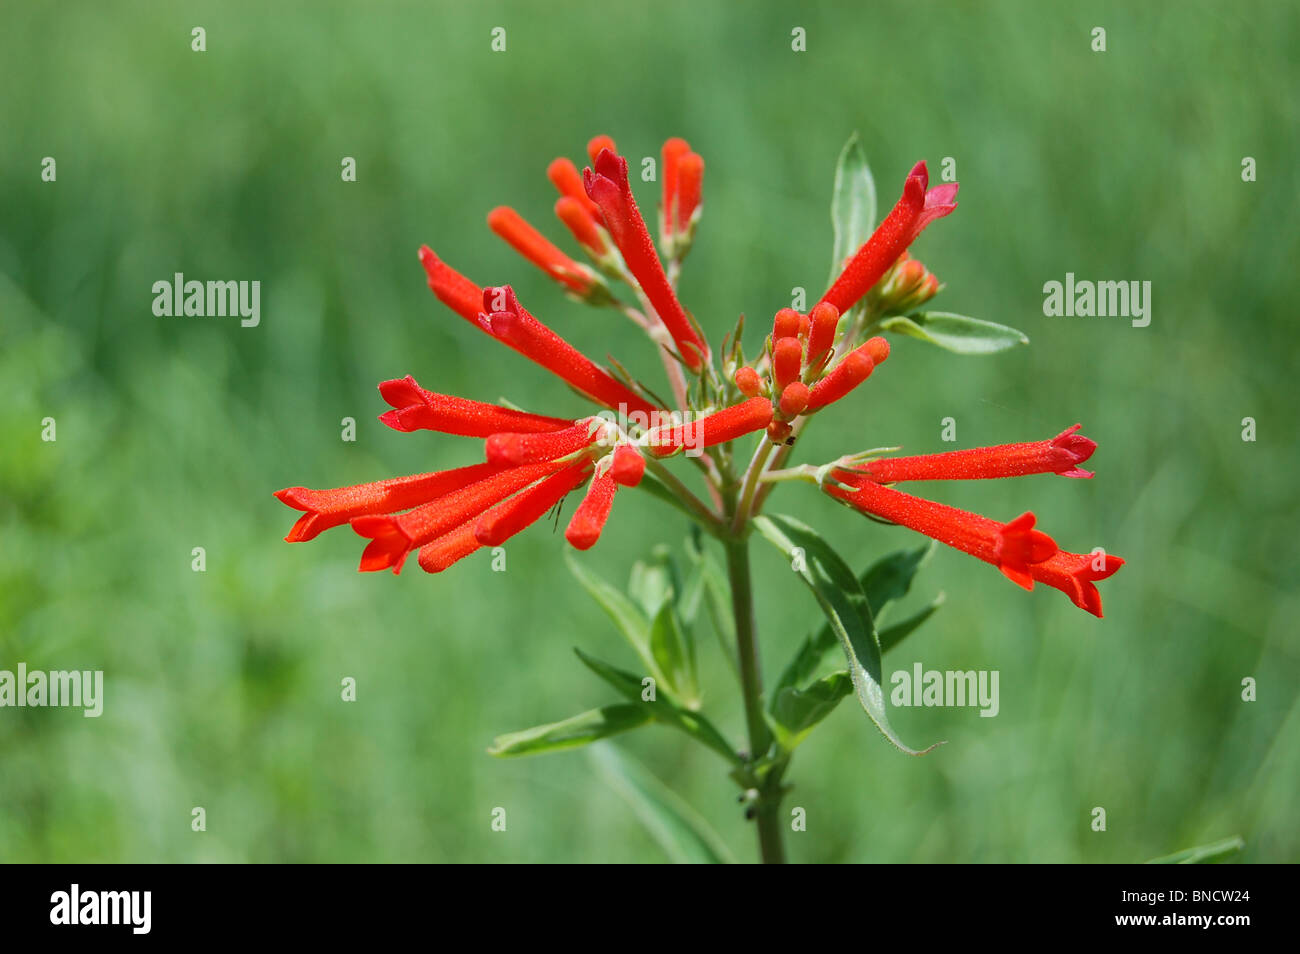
674, 653
1204, 854
891, 636
627, 616
956, 333
889, 579
676, 827
853, 204
717, 596
795, 712
579, 730
845, 606
654, 580
883, 583
663, 707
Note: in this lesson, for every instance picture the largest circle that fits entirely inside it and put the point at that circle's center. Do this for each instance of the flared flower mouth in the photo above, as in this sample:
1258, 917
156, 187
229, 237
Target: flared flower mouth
809, 362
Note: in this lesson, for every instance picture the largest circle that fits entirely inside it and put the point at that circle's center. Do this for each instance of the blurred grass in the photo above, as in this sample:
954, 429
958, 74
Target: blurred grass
223, 687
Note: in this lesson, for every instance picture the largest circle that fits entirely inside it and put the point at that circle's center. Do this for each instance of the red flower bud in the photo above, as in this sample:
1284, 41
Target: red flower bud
787, 359
567, 180
824, 317
671, 154
535, 247
843, 378
690, 181
747, 380
599, 144
584, 228
778, 431
794, 399
589, 519
785, 324
628, 466
414, 409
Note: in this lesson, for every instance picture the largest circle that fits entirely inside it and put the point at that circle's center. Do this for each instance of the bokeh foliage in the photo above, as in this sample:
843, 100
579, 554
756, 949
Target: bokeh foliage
223, 687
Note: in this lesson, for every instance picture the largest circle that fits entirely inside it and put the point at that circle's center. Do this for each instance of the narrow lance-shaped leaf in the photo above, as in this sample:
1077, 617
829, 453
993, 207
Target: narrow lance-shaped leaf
845, 605
663, 707
674, 653
581, 729
956, 333
891, 636
795, 712
627, 616
853, 204
1202, 854
677, 828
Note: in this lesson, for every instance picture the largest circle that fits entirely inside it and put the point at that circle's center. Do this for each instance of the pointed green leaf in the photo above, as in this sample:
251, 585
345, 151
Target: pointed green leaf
891, 636
795, 712
579, 730
663, 706
956, 333
627, 616
654, 580
1204, 854
674, 654
844, 604
853, 204
717, 596
677, 828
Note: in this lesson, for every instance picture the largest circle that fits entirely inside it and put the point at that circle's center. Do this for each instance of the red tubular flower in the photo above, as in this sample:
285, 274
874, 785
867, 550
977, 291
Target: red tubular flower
669, 219
690, 182
523, 510
1014, 548
589, 519
787, 359
449, 548
1061, 455
849, 373
585, 229
717, 428
508, 321
628, 466
1073, 573
535, 247
333, 508
393, 537
415, 409
567, 180
608, 187
452, 288
514, 449
914, 211
598, 144
823, 320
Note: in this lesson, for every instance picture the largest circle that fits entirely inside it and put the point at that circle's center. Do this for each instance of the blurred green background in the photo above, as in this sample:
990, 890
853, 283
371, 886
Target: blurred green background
222, 688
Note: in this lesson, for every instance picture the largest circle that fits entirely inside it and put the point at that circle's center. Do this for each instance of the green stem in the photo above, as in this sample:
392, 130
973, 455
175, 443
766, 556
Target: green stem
767, 806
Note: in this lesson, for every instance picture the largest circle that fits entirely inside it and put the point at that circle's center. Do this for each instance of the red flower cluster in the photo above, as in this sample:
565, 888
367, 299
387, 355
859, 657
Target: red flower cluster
809, 362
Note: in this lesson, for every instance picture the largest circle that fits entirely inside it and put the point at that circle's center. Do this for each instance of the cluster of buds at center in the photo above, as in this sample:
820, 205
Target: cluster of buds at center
799, 374
904, 288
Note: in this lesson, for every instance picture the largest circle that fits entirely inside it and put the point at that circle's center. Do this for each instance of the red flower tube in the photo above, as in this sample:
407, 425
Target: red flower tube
514, 449
607, 185
670, 156
566, 178
449, 548
787, 359
914, 211
1061, 455
717, 428
452, 288
586, 231
589, 519
535, 247
508, 321
333, 508
690, 182
415, 409
855, 368
1012, 547
823, 320
393, 538
523, 510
